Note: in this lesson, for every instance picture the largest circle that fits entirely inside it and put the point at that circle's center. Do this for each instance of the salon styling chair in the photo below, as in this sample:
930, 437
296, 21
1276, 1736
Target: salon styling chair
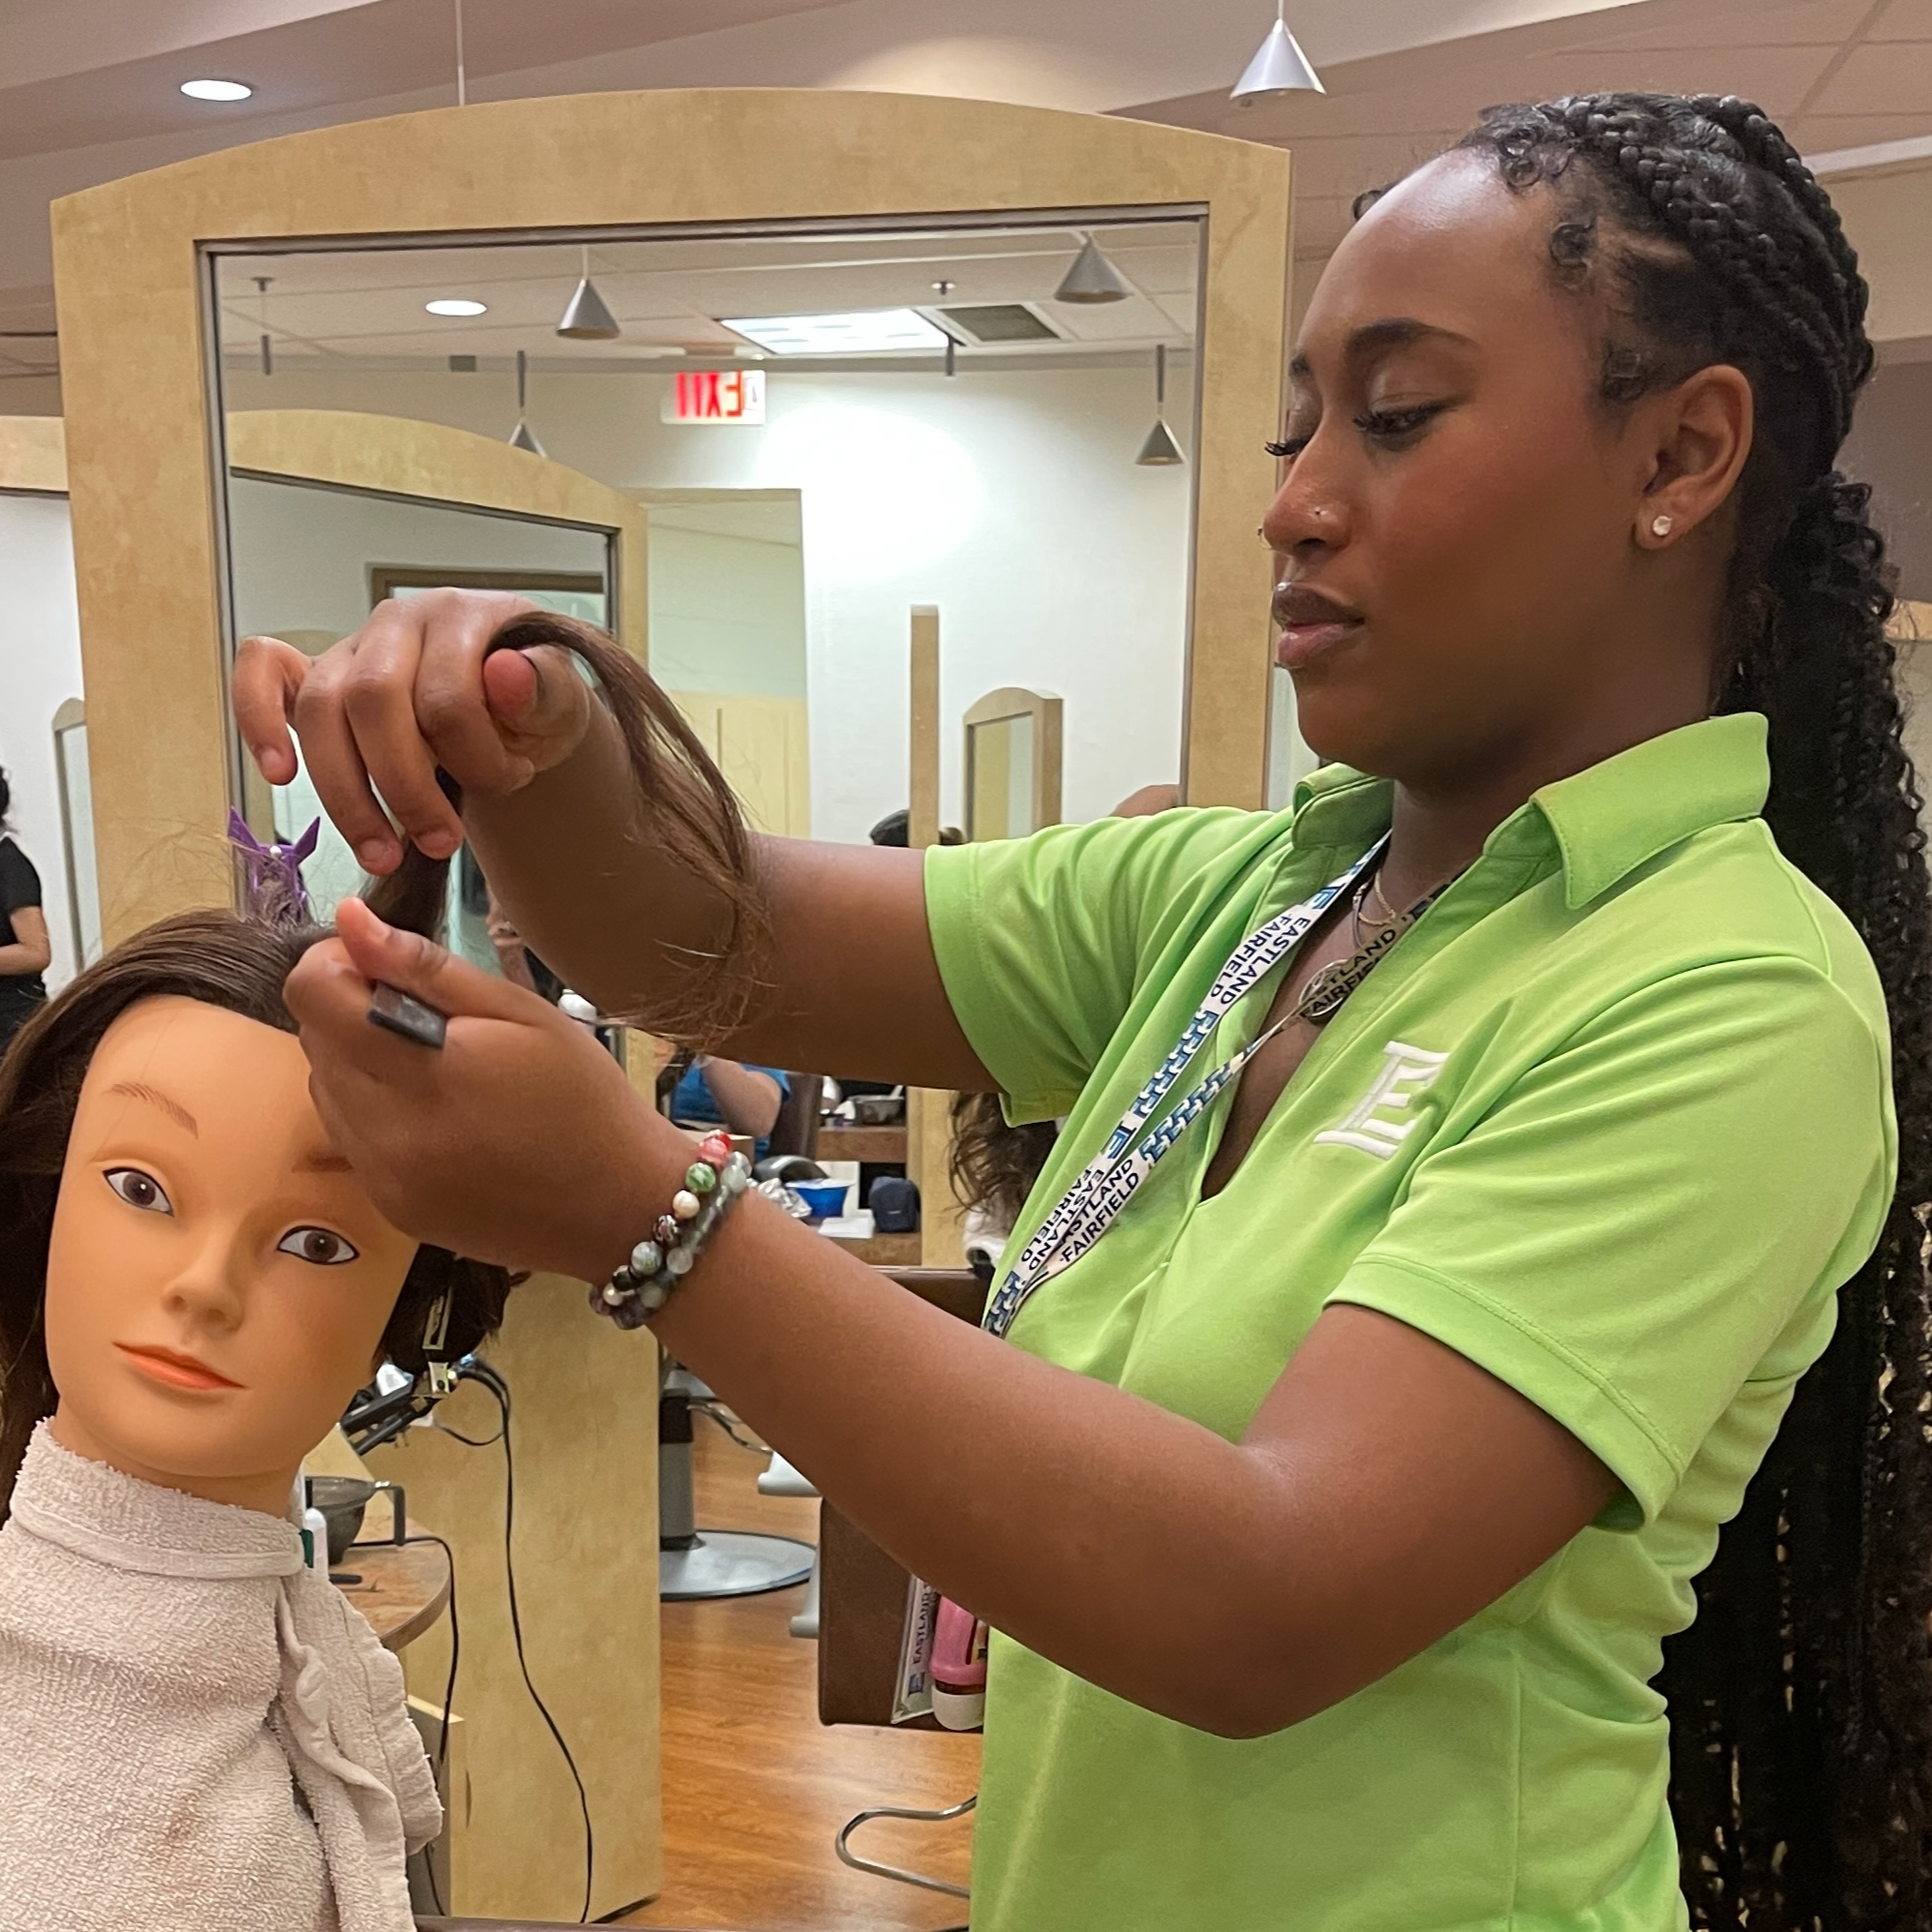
693, 1563
780, 1479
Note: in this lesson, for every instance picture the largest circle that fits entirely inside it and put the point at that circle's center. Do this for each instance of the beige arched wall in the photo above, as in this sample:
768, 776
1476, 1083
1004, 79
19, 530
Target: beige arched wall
134, 358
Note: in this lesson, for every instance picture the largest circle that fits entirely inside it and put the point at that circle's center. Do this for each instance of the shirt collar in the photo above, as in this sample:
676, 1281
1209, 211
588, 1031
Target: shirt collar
1603, 823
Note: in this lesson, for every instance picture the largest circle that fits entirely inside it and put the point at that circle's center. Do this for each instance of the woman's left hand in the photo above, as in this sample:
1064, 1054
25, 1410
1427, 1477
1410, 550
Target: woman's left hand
520, 1142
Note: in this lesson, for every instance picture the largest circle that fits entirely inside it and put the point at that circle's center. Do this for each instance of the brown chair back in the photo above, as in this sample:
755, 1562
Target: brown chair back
862, 1590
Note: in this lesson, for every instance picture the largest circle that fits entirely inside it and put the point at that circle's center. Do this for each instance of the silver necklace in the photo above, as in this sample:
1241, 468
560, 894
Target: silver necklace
1324, 995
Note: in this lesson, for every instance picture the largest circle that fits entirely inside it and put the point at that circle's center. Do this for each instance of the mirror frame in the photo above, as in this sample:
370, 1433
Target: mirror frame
1048, 715
138, 368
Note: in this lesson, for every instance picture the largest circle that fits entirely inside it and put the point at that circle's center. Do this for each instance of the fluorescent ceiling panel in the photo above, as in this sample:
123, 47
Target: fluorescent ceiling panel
864, 332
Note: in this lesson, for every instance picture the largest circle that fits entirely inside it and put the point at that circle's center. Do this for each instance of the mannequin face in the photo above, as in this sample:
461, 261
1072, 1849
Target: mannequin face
218, 1282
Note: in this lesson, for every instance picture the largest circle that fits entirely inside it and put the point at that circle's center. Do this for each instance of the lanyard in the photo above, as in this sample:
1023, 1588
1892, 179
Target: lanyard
1108, 1181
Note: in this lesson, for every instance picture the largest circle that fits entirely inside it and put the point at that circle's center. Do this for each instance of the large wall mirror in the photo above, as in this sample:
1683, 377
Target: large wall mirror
844, 355
829, 424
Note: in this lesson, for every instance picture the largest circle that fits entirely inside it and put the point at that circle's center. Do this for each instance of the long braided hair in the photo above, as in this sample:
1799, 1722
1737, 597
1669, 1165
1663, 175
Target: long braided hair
1801, 1697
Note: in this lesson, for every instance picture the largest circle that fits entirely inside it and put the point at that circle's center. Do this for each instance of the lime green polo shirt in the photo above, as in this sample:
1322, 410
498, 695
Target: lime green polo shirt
1613, 1121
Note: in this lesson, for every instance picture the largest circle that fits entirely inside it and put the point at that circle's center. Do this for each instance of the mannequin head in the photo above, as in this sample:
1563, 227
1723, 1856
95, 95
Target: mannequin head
168, 1199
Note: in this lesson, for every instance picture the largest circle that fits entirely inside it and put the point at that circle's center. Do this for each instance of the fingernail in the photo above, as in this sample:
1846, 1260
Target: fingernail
375, 854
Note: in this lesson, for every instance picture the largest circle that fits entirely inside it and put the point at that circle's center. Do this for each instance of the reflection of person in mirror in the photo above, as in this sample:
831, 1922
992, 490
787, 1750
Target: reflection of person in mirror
895, 829
715, 1092
25, 952
1339, 1473
197, 1730
519, 965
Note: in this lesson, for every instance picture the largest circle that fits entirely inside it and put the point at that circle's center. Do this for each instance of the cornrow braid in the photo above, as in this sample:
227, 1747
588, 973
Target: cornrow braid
1801, 1697
1763, 145
1724, 236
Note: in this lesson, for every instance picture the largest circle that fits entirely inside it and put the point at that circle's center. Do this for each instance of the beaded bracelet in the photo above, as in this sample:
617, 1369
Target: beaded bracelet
712, 1184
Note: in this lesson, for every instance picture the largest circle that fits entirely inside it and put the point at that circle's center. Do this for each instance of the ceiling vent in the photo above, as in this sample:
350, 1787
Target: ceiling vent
999, 322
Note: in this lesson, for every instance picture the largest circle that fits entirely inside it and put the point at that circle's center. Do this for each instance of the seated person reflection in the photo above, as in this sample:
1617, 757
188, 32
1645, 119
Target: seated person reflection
25, 952
715, 1092
197, 1730
518, 964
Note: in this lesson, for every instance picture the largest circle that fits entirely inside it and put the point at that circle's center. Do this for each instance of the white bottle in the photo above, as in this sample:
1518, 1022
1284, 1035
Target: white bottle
314, 1529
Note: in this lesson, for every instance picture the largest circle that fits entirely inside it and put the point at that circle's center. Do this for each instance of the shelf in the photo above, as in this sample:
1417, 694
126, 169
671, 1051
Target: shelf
882, 1146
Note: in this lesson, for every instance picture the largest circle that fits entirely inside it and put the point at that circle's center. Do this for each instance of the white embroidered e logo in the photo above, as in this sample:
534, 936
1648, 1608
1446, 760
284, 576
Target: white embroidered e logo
1407, 1070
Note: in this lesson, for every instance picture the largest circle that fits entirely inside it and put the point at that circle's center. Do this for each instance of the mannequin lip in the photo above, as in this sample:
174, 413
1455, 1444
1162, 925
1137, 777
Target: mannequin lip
170, 1366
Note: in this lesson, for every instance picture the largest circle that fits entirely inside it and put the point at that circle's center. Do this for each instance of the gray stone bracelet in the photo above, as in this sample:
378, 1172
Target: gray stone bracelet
712, 1185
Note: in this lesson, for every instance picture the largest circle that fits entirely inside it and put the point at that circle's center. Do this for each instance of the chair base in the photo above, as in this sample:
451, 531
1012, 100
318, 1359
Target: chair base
731, 1562
806, 1622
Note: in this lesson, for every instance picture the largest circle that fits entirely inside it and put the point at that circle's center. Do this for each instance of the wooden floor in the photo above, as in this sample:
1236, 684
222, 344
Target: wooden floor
755, 1787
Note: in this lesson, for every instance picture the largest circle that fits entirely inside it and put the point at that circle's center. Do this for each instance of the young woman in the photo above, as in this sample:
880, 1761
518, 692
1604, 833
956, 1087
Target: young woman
24, 950
1340, 1493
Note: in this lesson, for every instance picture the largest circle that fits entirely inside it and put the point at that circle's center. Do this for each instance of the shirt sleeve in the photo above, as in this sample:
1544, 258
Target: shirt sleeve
1041, 941
19, 882
1626, 1233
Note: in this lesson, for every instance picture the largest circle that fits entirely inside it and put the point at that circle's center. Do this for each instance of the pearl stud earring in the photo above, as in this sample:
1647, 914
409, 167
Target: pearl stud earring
1660, 527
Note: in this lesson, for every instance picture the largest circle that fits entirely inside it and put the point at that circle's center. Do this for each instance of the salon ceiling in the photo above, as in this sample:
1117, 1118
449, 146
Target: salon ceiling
368, 307
88, 88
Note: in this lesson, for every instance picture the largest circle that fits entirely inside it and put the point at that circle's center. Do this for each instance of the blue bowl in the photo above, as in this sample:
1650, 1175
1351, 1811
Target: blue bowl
825, 1198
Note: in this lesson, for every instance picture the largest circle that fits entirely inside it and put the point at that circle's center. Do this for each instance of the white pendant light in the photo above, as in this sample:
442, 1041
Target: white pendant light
1093, 277
1159, 451
521, 436
1279, 67
587, 317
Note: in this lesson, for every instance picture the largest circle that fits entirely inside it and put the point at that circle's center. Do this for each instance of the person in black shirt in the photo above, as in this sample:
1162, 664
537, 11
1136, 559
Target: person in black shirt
24, 950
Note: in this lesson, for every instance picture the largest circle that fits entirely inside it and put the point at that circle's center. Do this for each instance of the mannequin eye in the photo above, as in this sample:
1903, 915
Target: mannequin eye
316, 1245
138, 1189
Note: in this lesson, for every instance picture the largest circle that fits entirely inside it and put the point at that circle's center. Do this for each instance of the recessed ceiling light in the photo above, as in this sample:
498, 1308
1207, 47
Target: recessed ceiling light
867, 332
456, 305
215, 90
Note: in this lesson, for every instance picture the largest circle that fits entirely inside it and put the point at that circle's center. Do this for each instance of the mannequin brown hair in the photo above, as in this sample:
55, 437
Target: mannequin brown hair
222, 959
239, 964
694, 820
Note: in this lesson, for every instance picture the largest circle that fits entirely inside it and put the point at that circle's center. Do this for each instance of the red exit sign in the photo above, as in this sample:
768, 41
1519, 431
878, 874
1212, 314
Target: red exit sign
716, 396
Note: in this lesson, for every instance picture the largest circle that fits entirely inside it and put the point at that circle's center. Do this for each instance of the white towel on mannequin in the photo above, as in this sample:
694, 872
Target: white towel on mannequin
197, 1734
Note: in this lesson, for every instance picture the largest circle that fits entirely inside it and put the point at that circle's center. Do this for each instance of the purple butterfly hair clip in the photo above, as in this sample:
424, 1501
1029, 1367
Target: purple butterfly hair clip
274, 891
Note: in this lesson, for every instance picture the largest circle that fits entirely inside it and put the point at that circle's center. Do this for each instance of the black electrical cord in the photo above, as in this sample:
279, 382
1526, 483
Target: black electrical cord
497, 1387
471, 1442
710, 1405
448, 1690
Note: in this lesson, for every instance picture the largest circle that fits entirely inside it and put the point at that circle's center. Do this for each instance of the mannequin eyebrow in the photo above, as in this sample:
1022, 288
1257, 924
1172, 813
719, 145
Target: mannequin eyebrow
139, 1090
323, 1162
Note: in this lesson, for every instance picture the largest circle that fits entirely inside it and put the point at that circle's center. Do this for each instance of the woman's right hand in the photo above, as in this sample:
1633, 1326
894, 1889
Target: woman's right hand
416, 687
